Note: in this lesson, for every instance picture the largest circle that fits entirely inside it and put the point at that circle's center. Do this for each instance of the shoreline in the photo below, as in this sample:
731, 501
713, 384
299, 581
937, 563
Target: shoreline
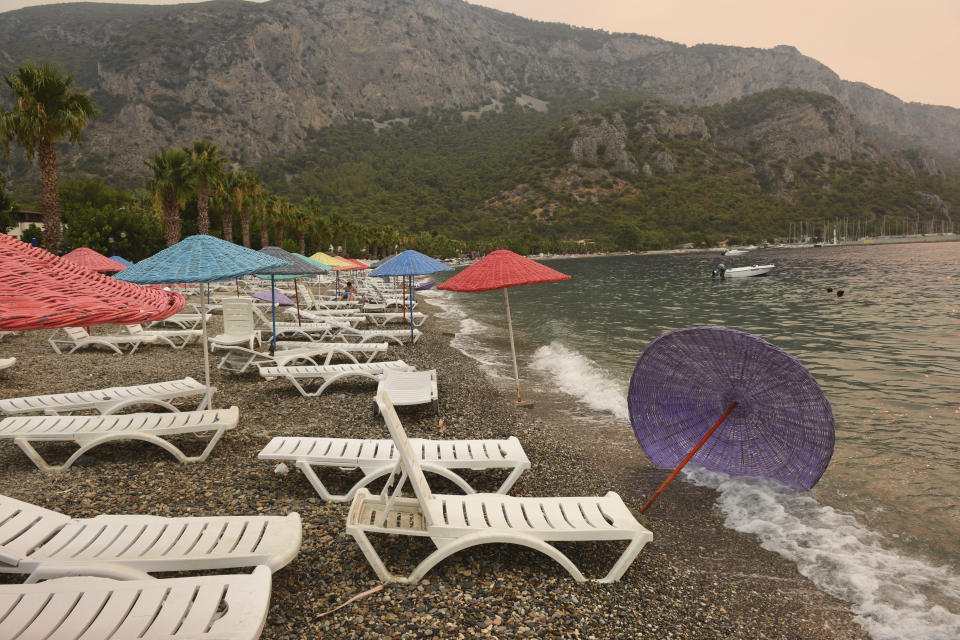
696, 579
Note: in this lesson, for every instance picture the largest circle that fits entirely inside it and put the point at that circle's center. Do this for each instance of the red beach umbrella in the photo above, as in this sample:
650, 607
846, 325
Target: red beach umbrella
38, 290
500, 270
94, 261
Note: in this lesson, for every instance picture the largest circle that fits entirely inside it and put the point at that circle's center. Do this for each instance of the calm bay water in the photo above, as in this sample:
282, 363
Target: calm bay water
882, 528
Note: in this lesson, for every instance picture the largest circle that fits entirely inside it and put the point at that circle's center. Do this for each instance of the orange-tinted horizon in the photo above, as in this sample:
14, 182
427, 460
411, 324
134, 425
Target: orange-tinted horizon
908, 48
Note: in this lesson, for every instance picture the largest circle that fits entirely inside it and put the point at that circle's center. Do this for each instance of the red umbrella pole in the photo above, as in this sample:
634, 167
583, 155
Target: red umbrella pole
682, 464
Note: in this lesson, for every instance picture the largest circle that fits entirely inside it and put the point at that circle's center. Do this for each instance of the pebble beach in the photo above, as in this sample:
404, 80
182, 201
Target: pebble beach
697, 579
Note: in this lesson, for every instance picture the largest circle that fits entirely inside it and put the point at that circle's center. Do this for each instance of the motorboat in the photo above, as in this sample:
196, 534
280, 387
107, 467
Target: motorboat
735, 252
747, 272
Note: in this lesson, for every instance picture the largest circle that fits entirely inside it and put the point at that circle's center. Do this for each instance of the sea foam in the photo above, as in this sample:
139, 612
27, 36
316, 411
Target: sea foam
579, 376
894, 597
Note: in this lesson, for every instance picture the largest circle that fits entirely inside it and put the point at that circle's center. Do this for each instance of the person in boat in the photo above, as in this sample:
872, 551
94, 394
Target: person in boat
349, 292
719, 271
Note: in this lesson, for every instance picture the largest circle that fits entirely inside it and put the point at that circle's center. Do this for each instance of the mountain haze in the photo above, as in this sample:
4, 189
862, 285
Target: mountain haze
258, 78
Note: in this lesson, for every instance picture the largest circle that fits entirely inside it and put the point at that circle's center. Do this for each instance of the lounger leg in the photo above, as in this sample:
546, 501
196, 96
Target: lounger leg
511, 479
35, 457
626, 558
96, 442
374, 558
448, 474
317, 484
447, 549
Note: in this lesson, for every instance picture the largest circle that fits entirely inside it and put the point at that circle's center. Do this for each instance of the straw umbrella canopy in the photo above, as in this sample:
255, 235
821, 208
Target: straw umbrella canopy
410, 263
90, 259
778, 423
500, 270
199, 258
338, 264
122, 261
295, 267
38, 290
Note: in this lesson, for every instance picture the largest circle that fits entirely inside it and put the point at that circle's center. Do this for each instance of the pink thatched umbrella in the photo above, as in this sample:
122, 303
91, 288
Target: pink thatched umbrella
94, 261
38, 290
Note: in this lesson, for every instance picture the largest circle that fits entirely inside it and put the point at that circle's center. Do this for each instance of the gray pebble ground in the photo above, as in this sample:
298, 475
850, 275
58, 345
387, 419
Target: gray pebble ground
697, 579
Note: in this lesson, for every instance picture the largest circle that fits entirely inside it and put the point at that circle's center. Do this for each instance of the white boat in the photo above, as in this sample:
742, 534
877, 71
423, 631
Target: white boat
735, 252
746, 272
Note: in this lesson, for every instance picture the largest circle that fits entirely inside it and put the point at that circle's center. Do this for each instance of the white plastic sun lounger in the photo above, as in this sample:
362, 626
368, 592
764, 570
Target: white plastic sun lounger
240, 359
407, 388
77, 338
90, 431
176, 338
6, 363
364, 335
312, 331
382, 319
112, 399
333, 317
378, 458
182, 320
239, 326
49, 544
455, 523
222, 607
326, 375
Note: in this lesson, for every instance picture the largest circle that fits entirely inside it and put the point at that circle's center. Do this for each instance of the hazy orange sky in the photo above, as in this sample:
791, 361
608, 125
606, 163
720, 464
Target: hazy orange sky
910, 48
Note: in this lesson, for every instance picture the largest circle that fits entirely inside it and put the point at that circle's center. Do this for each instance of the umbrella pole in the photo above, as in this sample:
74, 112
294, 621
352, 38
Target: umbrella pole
687, 459
411, 309
296, 291
273, 309
513, 350
236, 281
206, 352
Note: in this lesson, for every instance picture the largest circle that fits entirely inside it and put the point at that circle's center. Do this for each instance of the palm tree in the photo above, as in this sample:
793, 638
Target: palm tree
45, 110
206, 165
316, 222
171, 187
281, 210
263, 215
247, 193
230, 195
337, 226
300, 221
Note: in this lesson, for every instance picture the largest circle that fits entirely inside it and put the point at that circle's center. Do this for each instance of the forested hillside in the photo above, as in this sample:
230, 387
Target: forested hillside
624, 175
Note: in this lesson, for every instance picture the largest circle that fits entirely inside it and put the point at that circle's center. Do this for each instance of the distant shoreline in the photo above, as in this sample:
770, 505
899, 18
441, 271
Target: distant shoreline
883, 240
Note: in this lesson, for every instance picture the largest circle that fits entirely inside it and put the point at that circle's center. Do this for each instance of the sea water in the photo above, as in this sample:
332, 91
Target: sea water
881, 530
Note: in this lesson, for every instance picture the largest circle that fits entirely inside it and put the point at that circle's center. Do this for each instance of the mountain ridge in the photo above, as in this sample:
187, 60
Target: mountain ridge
256, 78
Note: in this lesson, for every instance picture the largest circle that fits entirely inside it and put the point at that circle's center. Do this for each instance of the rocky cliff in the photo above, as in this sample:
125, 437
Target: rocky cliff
256, 78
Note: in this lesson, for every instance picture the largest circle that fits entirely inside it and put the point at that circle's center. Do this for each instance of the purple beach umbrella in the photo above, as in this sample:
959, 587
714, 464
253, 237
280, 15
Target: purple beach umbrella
780, 425
280, 298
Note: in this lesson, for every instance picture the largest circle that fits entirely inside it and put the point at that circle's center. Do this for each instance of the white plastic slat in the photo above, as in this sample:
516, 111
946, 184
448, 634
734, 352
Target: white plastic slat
108, 618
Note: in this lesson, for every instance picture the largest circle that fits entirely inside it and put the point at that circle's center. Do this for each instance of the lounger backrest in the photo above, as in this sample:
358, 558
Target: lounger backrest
238, 316
24, 526
76, 333
409, 461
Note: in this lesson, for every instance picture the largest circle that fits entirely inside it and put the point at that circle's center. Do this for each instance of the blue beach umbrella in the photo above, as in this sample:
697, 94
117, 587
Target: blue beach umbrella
122, 261
409, 263
294, 267
199, 258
